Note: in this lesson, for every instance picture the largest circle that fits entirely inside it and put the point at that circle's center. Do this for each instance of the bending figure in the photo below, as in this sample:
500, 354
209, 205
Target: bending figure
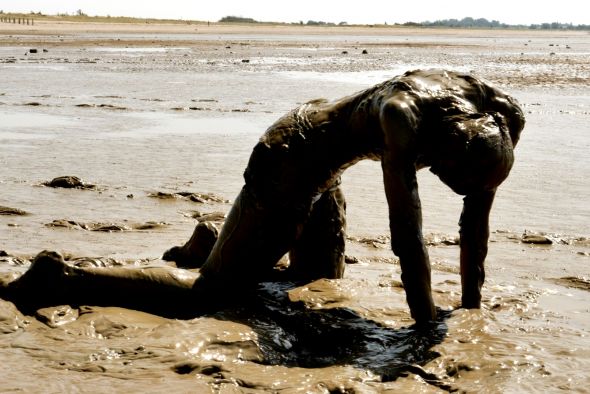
462, 128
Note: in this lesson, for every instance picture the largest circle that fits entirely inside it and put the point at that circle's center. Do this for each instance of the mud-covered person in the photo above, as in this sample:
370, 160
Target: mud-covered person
459, 126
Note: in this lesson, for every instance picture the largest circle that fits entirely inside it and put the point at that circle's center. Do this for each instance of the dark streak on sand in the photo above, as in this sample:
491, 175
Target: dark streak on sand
12, 211
574, 282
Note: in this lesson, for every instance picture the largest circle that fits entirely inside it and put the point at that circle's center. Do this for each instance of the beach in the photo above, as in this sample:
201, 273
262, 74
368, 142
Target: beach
152, 113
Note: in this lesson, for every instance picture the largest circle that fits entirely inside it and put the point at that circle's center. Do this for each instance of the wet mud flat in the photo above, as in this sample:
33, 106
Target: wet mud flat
158, 129
349, 335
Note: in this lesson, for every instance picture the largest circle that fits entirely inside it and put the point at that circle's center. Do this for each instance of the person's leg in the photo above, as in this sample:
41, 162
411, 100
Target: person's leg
165, 291
252, 240
319, 249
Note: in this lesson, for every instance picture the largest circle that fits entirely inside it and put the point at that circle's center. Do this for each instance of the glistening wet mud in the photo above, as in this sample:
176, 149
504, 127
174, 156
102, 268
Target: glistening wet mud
115, 124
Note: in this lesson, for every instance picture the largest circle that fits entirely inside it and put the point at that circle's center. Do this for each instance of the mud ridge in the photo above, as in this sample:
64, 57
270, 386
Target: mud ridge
106, 227
69, 182
191, 196
216, 216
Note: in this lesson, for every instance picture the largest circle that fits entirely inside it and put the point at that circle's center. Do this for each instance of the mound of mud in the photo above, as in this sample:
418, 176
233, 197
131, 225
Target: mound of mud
69, 182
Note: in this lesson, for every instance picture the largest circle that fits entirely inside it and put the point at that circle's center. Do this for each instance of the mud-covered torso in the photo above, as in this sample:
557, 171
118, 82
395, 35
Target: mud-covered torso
305, 151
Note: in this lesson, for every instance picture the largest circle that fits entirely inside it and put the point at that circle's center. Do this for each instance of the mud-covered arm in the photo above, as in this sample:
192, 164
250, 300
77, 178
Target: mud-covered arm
405, 214
474, 230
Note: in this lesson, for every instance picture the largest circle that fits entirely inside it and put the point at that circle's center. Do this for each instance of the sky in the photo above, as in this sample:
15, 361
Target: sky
351, 11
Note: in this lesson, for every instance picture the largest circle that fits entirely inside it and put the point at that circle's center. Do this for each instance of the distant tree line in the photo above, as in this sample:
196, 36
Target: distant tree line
484, 23
467, 22
30, 13
321, 23
559, 26
237, 19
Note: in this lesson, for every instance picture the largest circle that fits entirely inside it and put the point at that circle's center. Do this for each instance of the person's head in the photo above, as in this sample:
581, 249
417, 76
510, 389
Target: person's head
472, 153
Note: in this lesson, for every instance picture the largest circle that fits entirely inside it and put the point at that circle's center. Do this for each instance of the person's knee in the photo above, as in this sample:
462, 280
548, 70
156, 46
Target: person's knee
319, 251
254, 237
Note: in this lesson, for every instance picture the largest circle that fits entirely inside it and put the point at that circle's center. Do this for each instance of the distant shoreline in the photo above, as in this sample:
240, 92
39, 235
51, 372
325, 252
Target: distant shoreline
52, 26
454, 24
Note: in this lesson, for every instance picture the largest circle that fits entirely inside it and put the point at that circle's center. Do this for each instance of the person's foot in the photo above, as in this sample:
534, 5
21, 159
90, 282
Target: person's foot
41, 283
196, 250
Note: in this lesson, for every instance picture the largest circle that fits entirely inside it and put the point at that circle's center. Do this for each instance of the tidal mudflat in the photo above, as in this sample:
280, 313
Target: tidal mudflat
161, 121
